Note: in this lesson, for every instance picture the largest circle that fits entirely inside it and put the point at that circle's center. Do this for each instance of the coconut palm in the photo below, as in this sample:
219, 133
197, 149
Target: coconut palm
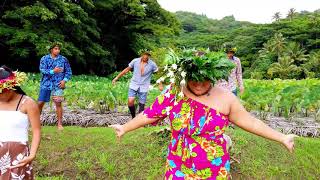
278, 44
312, 67
296, 53
267, 48
284, 67
276, 16
291, 13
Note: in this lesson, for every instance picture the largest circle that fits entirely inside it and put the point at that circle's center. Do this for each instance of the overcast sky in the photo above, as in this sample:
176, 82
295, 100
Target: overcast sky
257, 11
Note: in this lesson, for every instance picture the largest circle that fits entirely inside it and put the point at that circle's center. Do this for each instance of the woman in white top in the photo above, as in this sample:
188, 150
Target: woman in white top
16, 112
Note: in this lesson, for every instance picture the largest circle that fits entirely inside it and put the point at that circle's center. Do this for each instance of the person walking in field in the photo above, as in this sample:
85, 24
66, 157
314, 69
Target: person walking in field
235, 78
143, 68
56, 72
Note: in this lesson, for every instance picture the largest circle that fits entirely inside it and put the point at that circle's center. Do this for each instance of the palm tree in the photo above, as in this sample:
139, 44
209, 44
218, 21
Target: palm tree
296, 53
284, 67
267, 47
312, 67
291, 13
278, 44
276, 16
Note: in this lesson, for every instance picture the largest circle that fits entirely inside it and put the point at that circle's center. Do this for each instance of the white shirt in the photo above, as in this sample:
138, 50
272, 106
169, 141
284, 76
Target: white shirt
14, 126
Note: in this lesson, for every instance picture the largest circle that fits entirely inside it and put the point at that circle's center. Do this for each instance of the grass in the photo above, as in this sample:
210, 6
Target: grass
263, 159
94, 153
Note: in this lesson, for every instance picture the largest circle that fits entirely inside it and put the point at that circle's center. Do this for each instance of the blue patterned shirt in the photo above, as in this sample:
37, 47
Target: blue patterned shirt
50, 80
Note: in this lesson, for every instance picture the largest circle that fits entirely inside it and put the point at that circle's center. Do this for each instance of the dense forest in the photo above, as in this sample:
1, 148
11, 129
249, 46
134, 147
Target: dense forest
101, 36
286, 48
97, 36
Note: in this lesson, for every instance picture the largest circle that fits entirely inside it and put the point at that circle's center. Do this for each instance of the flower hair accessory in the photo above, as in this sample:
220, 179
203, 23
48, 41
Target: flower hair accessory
197, 65
15, 79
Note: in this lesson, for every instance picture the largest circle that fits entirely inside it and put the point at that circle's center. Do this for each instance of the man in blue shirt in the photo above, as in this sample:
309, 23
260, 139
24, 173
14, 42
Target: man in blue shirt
56, 71
143, 68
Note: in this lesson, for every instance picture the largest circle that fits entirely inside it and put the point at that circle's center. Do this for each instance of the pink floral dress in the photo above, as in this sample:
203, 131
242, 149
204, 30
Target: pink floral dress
197, 149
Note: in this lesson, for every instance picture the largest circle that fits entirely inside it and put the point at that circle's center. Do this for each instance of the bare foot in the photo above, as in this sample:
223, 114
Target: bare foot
60, 127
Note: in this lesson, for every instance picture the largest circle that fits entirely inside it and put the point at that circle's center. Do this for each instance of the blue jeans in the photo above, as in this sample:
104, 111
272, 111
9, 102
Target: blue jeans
141, 95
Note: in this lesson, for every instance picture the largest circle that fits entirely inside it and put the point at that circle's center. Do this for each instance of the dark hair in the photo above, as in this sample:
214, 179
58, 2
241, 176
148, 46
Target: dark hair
55, 44
5, 72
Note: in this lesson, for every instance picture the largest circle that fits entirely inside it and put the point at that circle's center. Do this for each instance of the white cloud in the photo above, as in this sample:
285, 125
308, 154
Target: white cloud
258, 11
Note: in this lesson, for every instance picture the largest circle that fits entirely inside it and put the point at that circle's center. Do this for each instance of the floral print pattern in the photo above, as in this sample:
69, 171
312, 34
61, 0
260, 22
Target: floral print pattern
197, 149
10, 155
235, 77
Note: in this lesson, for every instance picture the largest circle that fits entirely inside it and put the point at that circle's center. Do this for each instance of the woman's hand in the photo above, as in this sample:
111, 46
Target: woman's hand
119, 129
26, 160
288, 141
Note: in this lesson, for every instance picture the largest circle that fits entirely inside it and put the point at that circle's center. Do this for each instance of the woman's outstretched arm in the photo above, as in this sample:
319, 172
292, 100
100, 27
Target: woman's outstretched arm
139, 121
239, 116
159, 110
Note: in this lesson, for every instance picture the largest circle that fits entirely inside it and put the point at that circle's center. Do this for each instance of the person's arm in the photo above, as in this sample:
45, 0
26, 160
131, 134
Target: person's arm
45, 70
157, 111
44, 67
125, 71
239, 75
67, 71
34, 118
239, 116
139, 121
67, 74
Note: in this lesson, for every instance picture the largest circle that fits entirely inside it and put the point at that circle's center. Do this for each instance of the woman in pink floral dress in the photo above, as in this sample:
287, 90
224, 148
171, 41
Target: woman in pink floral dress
199, 118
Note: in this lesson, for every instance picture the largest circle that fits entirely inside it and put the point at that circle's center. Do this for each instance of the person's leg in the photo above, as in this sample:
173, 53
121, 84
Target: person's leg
58, 98
141, 107
142, 100
131, 97
59, 112
40, 105
44, 96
